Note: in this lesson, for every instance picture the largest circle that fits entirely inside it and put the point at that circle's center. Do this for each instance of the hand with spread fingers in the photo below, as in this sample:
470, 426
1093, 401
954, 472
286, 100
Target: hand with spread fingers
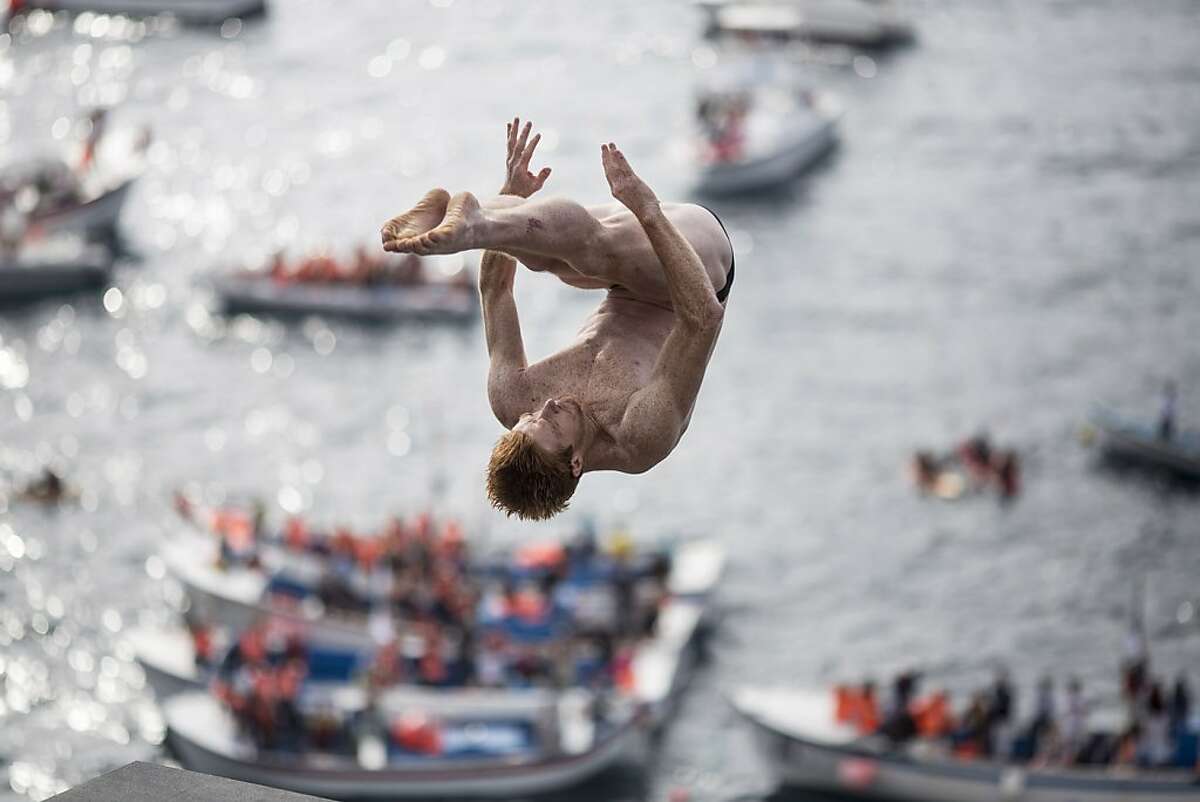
625, 184
518, 179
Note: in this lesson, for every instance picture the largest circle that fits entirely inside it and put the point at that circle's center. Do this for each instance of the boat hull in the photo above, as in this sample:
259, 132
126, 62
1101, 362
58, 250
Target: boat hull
1132, 441
862, 25
168, 659
379, 303
843, 766
202, 737
773, 169
21, 284
97, 217
190, 12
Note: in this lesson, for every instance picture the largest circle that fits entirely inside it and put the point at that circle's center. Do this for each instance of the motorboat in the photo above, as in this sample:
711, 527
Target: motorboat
260, 293
1138, 440
849, 22
41, 270
797, 734
485, 743
757, 139
285, 586
56, 196
188, 12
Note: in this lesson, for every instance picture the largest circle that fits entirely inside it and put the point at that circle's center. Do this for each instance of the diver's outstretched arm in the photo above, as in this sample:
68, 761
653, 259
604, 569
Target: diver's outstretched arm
507, 385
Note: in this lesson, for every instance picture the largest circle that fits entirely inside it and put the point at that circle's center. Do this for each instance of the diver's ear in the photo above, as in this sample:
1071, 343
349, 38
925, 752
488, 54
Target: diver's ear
576, 464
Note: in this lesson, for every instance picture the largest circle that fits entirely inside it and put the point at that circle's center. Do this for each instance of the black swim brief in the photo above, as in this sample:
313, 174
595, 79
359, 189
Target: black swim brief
723, 293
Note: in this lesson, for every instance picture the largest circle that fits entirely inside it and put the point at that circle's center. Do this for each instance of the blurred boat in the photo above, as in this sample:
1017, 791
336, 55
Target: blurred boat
285, 589
377, 302
57, 198
770, 137
239, 596
849, 22
805, 747
1139, 441
490, 743
189, 12
49, 269
167, 656
93, 214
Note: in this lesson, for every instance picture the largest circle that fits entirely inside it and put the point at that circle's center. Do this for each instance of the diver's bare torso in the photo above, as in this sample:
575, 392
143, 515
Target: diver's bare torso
616, 350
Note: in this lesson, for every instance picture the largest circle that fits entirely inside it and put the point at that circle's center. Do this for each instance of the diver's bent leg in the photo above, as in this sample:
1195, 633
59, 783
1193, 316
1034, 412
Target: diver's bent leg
556, 229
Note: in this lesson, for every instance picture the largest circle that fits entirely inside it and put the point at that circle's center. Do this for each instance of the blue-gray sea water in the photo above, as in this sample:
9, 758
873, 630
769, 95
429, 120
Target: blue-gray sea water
1007, 234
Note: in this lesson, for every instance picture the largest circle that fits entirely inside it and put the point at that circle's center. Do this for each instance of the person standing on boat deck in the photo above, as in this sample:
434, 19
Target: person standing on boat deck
1166, 415
1181, 706
621, 395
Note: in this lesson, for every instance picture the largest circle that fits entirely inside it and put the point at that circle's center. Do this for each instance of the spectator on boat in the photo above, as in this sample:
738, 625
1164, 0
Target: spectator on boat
295, 534
48, 488
924, 470
730, 141
278, 269
1074, 729
857, 707
97, 126
865, 713
1008, 474
622, 665
1051, 747
289, 721
1155, 746
12, 227
1043, 714
1126, 752
898, 723
932, 715
202, 643
431, 666
1134, 671
362, 267
976, 455
1000, 701
1166, 415
973, 736
491, 661
1181, 706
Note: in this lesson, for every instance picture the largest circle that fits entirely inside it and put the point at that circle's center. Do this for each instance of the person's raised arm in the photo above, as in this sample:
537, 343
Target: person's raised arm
656, 415
692, 296
497, 271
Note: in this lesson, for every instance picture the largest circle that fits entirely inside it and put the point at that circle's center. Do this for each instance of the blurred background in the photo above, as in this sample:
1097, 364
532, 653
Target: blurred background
989, 229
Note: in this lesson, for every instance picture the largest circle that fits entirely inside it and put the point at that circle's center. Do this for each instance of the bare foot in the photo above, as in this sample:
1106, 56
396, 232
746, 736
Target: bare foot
399, 232
456, 231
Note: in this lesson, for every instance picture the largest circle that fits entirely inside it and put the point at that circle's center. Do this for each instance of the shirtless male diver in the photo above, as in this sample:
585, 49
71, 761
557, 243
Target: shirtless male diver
620, 396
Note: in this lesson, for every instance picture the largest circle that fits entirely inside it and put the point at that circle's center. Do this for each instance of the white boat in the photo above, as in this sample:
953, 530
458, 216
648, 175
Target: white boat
495, 744
806, 748
36, 273
1139, 441
238, 597
850, 22
190, 12
167, 656
783, 135
382, 302
96, 215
